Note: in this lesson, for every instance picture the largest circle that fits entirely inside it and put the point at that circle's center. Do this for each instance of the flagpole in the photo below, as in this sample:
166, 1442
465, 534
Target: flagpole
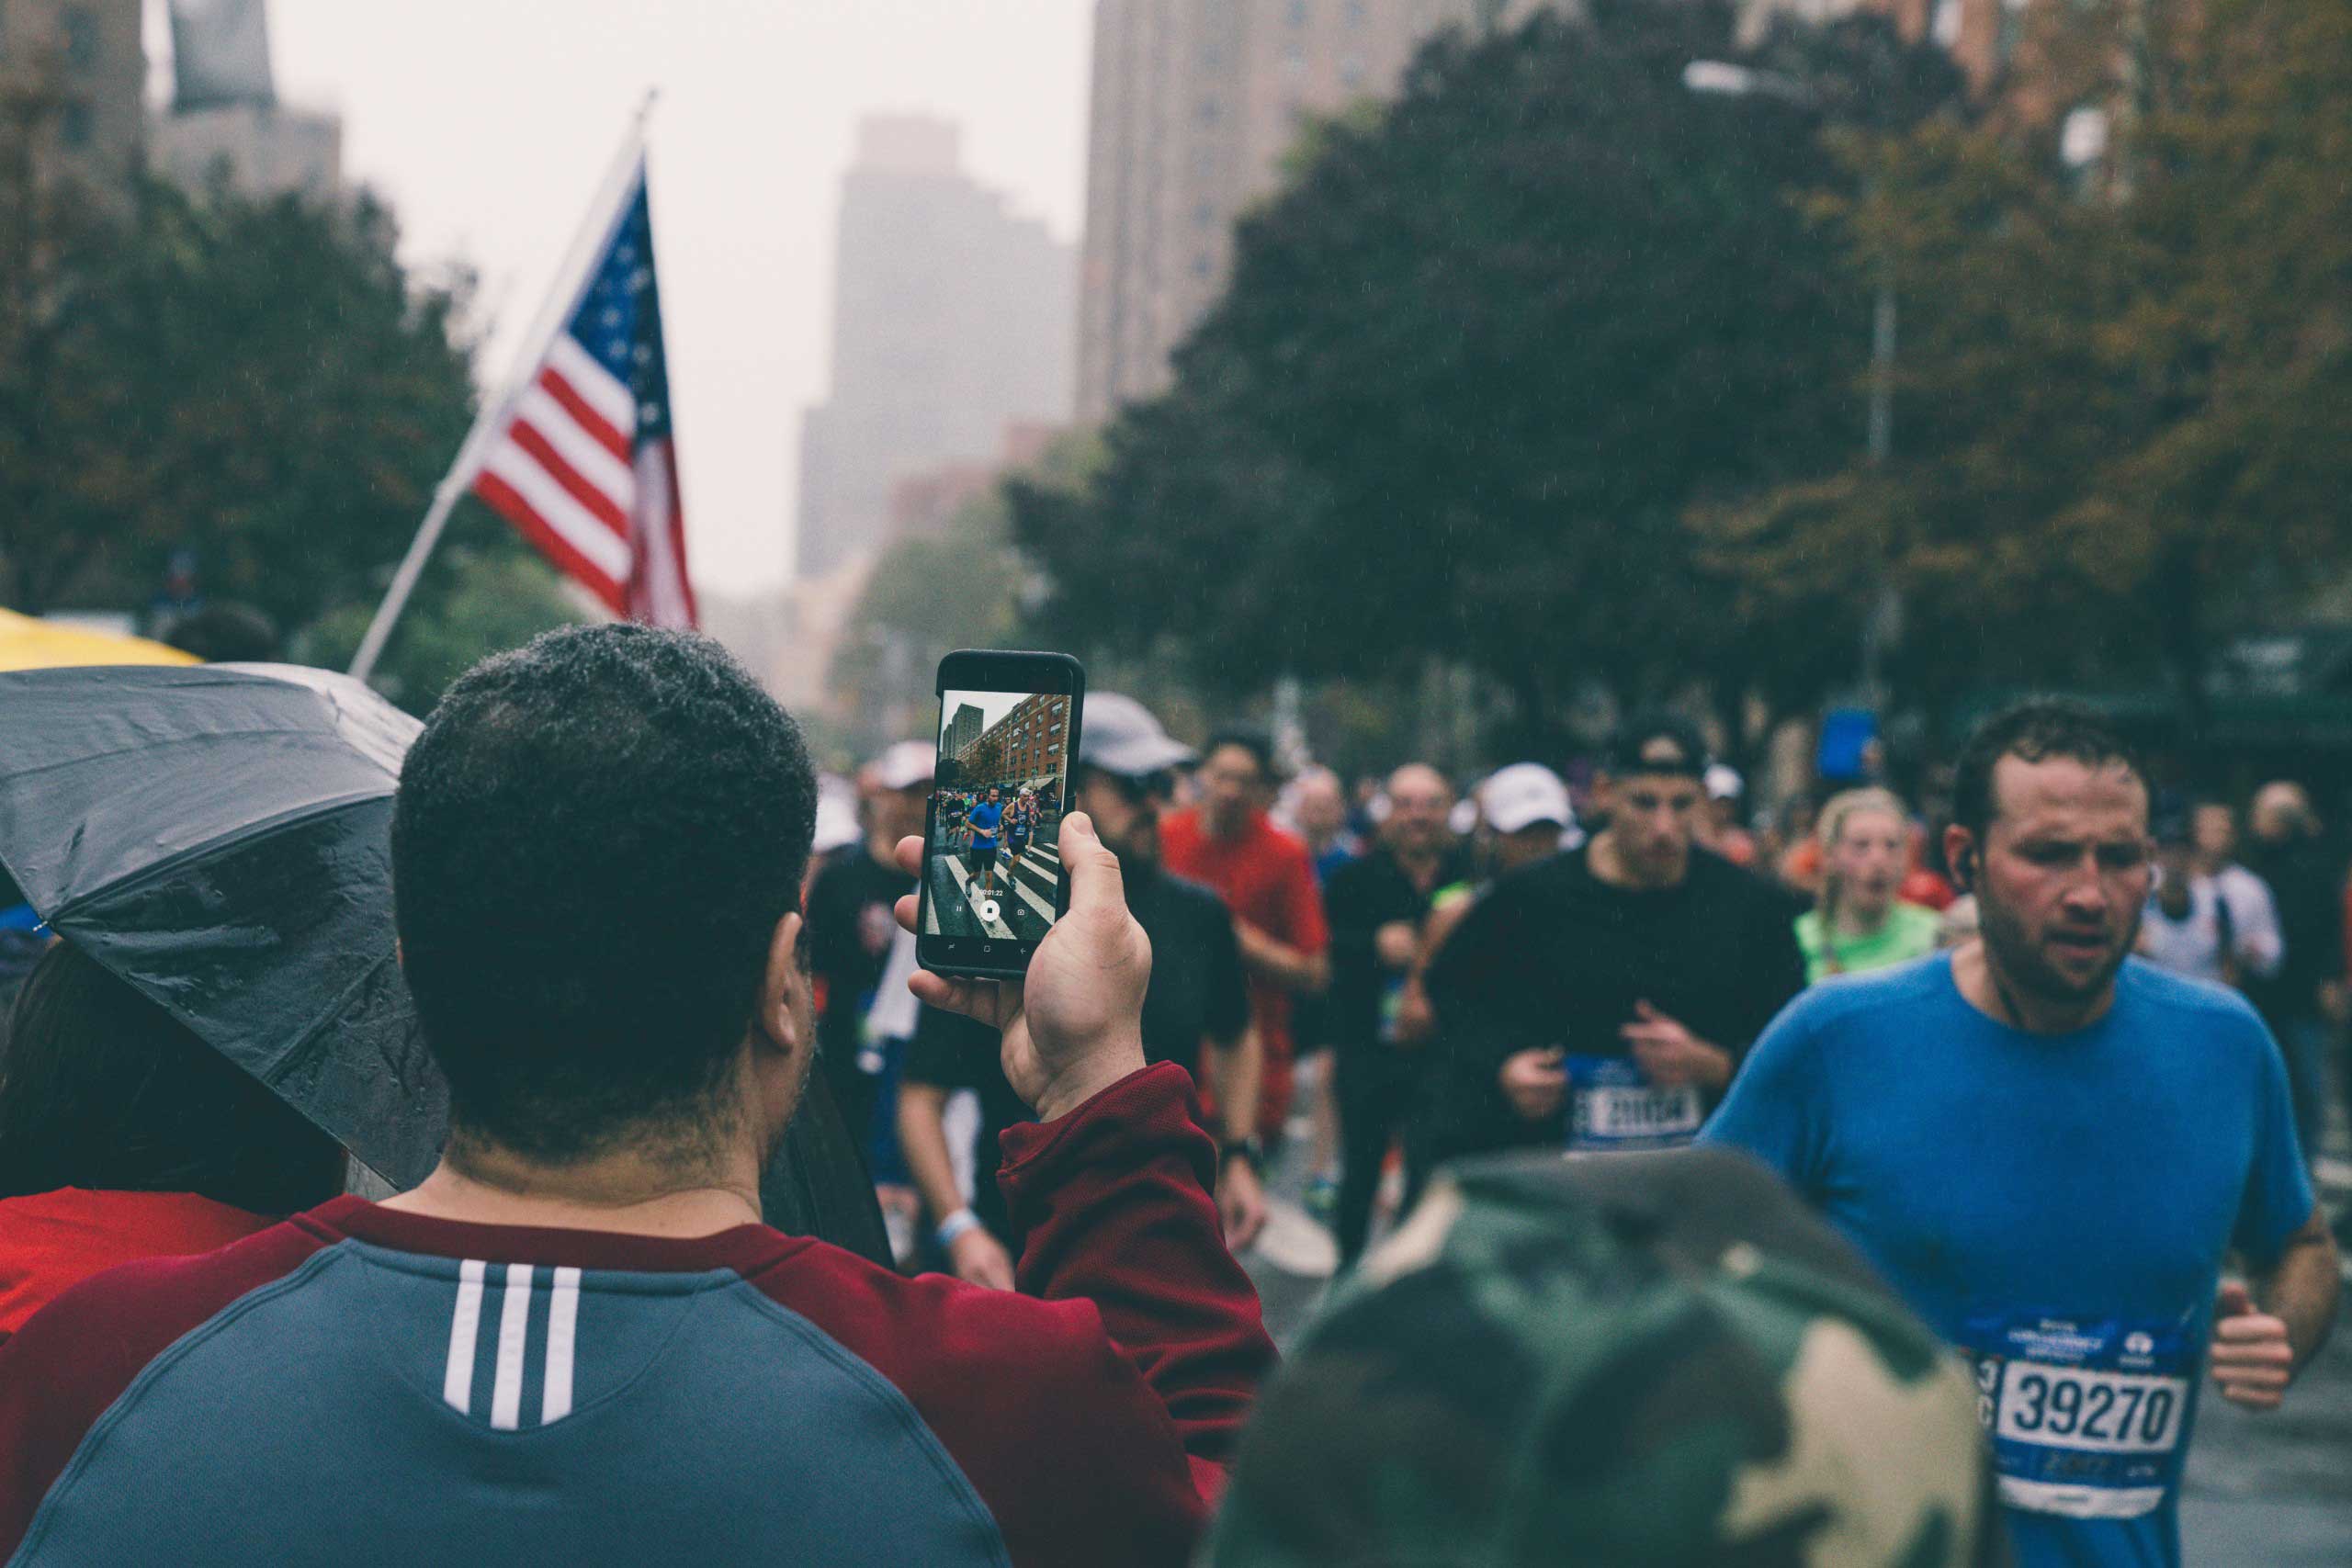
587, 245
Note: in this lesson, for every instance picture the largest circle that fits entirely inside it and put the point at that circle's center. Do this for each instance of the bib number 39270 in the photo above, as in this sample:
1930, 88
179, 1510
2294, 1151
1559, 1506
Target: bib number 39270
1612, 1106
2087, 1418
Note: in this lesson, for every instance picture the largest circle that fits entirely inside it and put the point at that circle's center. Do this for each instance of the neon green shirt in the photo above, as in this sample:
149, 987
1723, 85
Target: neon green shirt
1909, 932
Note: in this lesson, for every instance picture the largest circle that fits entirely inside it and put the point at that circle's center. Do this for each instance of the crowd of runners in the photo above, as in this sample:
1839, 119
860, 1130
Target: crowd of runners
1884, 1182
2048, 1049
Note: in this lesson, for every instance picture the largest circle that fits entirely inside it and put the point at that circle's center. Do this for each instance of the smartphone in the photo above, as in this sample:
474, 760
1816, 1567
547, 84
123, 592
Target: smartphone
992, 882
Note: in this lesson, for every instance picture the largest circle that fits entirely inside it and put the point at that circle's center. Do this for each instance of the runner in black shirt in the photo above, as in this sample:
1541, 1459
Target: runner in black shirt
1198, 1000
1603, 999
850, 932
1377, 906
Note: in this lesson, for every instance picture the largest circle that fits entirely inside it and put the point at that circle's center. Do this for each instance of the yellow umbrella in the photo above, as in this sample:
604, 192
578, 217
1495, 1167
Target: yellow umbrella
29, 644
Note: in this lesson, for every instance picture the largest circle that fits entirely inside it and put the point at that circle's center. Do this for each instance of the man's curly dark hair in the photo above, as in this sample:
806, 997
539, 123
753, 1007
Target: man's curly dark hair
595, 838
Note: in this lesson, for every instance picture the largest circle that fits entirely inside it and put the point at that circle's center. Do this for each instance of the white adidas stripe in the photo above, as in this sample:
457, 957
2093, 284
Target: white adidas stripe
564, 1317
514, 1323
465, 1323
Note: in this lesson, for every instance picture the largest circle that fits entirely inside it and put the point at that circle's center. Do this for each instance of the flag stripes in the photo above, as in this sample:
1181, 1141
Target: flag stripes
586, 466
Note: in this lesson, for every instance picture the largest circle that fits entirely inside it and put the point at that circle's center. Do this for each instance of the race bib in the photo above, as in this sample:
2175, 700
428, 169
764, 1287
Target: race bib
2087, 1418
1610, 1106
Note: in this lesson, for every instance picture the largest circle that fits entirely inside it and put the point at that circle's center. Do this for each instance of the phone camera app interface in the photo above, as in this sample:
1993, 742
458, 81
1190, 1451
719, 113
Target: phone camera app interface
996, 813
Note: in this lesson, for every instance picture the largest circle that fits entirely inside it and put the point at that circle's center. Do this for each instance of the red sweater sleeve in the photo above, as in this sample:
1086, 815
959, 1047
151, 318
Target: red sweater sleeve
1094, 1422
1112, 1206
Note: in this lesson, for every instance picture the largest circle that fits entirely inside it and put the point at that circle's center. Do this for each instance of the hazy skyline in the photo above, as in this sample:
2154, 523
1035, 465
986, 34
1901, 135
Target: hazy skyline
486, 124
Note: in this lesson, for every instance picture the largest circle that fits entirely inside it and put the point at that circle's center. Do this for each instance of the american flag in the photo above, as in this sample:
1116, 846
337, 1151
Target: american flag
587, 464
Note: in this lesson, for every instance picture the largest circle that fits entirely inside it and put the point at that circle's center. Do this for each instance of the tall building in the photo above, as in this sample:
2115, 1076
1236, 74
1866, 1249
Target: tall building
952, 319
1021, 748
1981, 35
225, 120
962, 731
72, 73
1195, 103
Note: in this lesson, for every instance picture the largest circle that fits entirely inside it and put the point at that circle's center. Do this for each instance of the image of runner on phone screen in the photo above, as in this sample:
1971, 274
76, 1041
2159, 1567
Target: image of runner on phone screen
985, 818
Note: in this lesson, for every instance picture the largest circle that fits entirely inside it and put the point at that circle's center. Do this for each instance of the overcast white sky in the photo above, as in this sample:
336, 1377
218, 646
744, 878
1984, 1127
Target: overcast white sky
486, 123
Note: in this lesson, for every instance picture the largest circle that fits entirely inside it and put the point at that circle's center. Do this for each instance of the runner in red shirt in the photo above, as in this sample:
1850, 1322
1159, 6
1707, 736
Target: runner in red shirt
1267, 879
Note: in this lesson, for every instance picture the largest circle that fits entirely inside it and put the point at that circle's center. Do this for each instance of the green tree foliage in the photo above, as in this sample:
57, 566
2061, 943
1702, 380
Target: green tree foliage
2125, 389
494, 599
260, 383
1479, 359
965, 586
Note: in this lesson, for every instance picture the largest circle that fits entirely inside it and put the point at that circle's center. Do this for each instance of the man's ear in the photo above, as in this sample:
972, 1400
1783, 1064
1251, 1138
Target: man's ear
783, 986
1960, 854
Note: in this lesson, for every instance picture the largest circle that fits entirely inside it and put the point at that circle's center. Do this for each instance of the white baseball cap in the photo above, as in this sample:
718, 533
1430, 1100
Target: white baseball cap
1522, 794
903, 765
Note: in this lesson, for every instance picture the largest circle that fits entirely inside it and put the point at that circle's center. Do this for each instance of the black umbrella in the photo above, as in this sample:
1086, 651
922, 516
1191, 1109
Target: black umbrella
219, 836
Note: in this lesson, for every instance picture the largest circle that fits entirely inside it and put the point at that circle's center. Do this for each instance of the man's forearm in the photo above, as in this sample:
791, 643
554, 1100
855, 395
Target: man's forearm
923, 1135
1113, 1205
1285, 965
2300, 1289
1241, 1068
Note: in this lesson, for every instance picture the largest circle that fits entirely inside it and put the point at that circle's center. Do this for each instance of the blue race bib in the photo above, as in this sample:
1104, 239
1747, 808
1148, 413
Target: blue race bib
2088, 1416
1612, 1106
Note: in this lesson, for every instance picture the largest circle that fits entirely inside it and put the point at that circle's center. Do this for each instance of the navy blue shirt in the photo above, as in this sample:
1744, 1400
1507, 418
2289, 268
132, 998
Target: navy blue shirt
2056, 1205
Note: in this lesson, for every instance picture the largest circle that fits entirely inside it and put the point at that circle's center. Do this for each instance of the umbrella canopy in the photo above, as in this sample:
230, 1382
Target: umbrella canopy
29, 644
220, 837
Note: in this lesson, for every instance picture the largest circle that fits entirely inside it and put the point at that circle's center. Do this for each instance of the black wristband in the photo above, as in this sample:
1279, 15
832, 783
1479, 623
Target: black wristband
1253, 1149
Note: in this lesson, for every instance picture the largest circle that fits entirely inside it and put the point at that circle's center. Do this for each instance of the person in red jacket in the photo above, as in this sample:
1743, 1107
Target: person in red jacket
1266, 879
123, 1136
576, 1341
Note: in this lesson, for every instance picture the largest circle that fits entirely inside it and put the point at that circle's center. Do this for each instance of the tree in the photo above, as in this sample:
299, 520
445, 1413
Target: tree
1478, 362
496, 599
260, 383
930, 594
2126, 389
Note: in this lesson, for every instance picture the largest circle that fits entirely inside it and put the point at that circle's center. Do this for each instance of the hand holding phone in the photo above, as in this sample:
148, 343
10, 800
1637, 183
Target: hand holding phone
1074, 1026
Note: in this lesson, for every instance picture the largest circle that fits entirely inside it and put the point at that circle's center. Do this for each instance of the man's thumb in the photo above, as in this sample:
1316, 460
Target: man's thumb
2234, 1300
1093, 871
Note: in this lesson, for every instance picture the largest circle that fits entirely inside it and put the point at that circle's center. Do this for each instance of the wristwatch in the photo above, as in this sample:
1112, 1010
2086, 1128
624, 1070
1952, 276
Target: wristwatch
1253, 1149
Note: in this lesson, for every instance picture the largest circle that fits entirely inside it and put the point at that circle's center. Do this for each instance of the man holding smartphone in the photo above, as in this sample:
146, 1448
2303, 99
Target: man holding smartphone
585, 1282
1197, 1007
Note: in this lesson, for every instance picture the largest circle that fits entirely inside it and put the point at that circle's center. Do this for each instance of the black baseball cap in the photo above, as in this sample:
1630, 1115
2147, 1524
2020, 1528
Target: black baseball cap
1656, 743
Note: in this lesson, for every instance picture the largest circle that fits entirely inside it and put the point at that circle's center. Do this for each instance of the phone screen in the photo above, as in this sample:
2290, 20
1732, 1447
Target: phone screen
992, 875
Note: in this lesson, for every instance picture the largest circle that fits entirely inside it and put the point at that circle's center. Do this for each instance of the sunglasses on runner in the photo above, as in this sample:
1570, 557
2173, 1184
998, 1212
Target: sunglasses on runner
1139, 787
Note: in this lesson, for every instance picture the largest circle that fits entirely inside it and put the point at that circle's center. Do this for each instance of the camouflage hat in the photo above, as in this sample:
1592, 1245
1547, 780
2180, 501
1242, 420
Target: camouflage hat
1649, 1360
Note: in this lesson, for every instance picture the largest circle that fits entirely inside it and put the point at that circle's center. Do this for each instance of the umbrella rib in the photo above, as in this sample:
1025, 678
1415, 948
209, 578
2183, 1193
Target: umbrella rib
245, 833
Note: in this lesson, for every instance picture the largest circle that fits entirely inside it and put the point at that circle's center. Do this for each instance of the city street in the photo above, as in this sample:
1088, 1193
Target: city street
2262, 1491
1017, 908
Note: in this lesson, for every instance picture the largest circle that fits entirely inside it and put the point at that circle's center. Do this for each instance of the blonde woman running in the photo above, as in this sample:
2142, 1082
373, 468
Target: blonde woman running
1860, 924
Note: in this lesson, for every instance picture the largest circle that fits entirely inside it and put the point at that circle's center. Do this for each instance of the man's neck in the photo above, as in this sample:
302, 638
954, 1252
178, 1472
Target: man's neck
1606, 859
1984, 986
1224, 831
624, 1193
1855, 921
1420, 865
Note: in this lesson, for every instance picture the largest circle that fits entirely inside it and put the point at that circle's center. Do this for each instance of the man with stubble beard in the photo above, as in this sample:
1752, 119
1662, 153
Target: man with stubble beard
2049, 1146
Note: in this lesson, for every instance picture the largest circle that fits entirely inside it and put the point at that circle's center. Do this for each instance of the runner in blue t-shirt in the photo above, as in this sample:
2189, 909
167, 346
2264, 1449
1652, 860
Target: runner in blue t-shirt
984, 819
2049, 1150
